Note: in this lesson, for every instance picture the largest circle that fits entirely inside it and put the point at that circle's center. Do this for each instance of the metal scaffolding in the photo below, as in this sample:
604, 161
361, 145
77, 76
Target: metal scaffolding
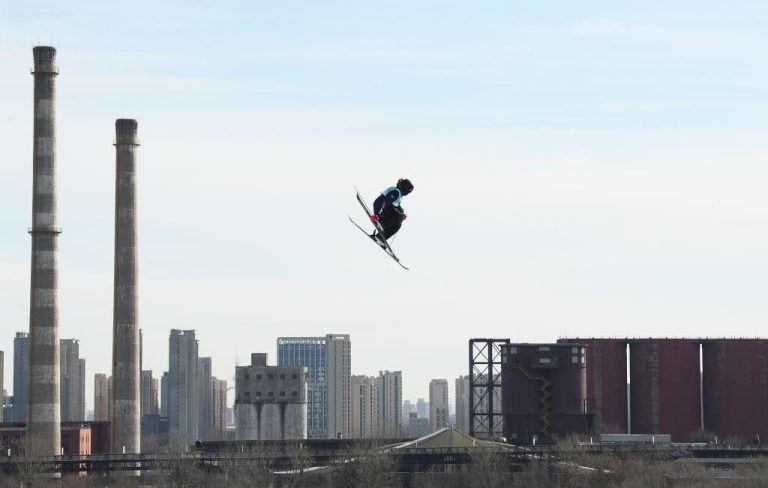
485, 413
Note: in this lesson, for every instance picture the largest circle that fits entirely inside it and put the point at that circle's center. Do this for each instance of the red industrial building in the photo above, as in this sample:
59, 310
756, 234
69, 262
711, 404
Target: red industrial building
664, 387
77, 438
606, 382
673, 384
544, 388
100, 436
735, 388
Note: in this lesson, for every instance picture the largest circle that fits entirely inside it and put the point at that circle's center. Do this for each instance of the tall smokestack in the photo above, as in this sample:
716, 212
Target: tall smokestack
126, 372
44, 414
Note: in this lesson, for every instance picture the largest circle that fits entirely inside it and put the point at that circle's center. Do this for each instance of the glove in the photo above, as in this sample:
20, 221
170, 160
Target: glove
374, 219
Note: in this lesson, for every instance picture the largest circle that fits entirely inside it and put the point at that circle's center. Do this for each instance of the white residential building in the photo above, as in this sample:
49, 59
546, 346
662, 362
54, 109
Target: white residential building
438, 404
388, 394
363, 422
462, 403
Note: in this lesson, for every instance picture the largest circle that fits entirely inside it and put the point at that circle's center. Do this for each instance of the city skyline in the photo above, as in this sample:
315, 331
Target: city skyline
608, 165
152, 404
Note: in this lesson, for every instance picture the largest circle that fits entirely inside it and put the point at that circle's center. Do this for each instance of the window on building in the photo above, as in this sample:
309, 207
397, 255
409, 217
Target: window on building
282, 393
270, 394
294, 393
282, 376
258, 376
294, 376
270, 376
258, 393
247, 376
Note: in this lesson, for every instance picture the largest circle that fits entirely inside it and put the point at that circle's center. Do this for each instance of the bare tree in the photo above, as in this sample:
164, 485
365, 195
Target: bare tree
487, 468
28, 468
184, 472
252, 467
299, 459
364, 465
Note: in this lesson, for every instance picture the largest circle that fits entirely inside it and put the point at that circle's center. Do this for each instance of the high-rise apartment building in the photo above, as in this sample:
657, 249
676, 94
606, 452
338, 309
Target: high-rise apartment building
417, 426
148, 394
438, 404
205, 397
81, 389
101, 397
182, 387
219, 397
71, 384
165, 394
329, 369
408, 407
462, 403
363, 423
20, 376
422, 408
388, 399
154, 400
339, 374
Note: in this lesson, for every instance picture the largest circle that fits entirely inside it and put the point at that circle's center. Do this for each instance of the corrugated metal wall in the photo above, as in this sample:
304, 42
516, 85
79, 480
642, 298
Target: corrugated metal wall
606, 383
664, 375
735, 388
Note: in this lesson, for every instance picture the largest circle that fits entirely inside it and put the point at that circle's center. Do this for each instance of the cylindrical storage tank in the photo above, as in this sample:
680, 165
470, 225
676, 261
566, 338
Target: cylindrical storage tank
569, 380
544, 390
295, 417
664, 390
271, 425
735, 388
606, 383
246, 422
520, 394
569, 391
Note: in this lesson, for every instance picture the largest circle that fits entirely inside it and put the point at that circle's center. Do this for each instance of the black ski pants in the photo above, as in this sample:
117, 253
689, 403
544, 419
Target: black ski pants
391, 218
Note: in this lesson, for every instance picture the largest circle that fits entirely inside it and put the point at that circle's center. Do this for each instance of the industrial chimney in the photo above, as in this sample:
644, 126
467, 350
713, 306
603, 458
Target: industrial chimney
43, 436
126, 368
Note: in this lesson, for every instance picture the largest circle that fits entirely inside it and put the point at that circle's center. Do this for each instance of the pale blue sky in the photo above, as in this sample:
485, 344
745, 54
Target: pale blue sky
591, 168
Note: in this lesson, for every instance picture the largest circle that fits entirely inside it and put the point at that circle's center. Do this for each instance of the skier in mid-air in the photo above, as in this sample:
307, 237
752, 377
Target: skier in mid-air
387, 210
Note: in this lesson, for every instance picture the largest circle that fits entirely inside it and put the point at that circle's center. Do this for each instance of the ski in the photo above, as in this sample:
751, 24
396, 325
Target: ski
383, 244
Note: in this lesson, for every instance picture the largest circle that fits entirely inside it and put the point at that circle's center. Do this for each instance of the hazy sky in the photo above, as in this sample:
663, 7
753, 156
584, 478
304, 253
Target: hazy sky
592, 168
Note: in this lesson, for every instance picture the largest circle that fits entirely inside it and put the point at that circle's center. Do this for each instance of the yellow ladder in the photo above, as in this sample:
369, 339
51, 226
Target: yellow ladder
544, 399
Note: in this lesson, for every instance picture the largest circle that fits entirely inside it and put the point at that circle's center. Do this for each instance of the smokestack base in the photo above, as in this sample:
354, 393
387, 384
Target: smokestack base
126, 132
45, 60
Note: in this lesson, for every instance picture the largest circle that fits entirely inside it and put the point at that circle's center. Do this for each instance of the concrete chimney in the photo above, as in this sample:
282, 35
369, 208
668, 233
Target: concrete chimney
126, 368
43, 436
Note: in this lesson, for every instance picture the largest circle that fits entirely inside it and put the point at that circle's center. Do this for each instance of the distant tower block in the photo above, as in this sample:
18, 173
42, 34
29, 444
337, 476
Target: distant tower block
126, 373
43, 414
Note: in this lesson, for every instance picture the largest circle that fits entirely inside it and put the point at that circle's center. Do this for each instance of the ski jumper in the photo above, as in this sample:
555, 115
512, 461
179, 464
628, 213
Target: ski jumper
387, 208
